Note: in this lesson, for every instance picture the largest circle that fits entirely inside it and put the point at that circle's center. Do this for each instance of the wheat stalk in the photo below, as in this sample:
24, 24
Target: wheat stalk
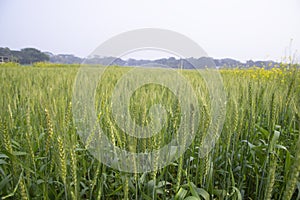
49, 130
293, 174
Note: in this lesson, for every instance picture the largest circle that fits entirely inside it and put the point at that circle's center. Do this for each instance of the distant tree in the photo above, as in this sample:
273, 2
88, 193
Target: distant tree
31, 55
5, 52
65, 58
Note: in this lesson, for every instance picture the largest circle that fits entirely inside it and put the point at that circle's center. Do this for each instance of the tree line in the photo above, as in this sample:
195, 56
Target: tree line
24, 56
32, 55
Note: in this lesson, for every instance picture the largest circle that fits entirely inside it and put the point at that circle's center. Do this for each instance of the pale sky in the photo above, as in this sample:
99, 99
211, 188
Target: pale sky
239, 29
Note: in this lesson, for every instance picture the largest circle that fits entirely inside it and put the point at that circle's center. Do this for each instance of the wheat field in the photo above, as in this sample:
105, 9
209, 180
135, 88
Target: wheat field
256, 157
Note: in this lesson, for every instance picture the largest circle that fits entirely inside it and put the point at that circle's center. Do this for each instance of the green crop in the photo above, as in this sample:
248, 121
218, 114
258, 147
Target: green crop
42, 157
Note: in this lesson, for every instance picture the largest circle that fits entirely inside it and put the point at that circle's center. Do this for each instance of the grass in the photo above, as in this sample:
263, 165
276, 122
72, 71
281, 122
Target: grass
43, 157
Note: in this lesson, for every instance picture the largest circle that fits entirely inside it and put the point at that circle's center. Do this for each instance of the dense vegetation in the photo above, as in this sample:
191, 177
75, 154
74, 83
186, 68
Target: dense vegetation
32, 55
256, 157
24, 56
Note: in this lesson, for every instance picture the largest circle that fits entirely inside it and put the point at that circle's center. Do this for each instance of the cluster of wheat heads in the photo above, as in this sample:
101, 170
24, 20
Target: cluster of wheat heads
256, 157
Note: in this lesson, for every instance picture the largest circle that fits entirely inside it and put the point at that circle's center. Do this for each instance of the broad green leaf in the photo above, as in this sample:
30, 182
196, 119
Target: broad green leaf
143, 177
263, 131
5, 181
3, 156
220, 193
19, 153
203, 193
198, 191
249, 144
159, 191
191, 198
237, 192
116, 191
278, 146
3, 162
145, 196
193, 190
15, 144
180, 194
39, 181
162, 183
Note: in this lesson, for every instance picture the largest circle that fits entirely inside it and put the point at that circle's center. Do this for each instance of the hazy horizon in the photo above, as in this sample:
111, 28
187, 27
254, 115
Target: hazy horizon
241, 30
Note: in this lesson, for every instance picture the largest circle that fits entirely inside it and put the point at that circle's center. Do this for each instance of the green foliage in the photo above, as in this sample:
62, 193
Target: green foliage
42, 157
25, 56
